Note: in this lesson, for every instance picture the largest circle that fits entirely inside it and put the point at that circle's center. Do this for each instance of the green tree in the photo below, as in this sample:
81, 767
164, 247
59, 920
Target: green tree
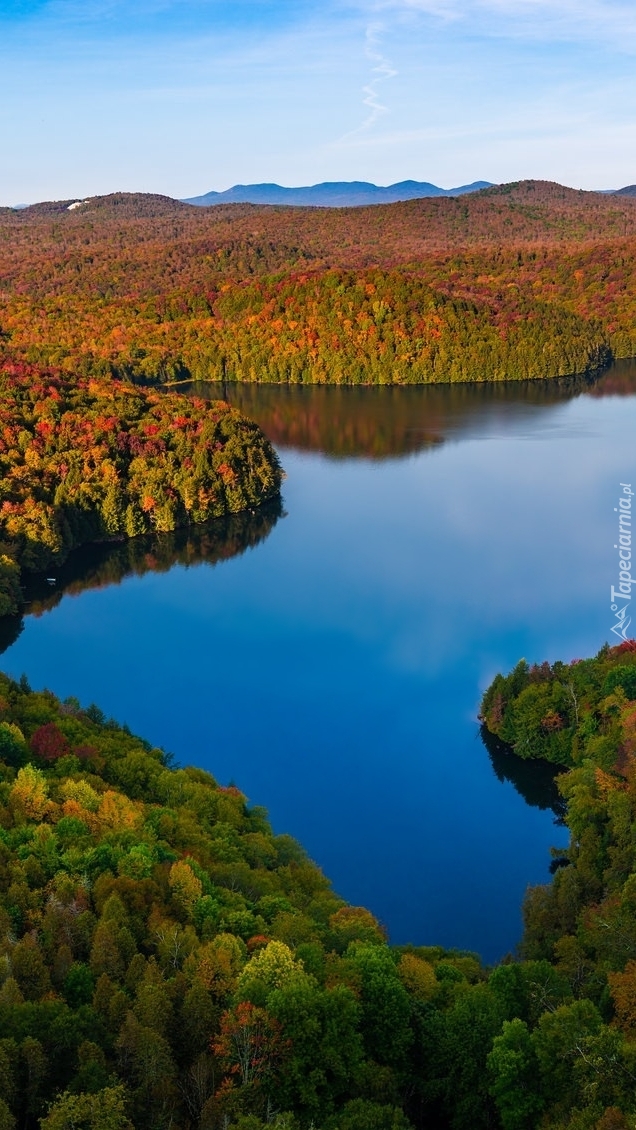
104, 1110
559, 1042
360, 1114
384, 1003
471, 1025
514, 1072
323, 1049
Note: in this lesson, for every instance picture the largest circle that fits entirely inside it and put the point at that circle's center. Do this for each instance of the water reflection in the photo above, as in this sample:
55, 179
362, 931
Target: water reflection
336, 672
381, 422
534, 780
619, 380
101, 565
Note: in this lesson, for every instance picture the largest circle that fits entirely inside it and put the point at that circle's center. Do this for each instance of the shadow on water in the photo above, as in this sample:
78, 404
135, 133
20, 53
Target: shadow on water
534, 780
389, 421
100, 565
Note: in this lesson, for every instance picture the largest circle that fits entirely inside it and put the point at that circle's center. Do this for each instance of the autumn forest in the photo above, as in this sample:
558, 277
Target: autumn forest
515, 282
168, 962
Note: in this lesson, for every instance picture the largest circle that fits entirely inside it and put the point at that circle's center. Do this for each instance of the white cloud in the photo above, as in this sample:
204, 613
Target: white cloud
607, 21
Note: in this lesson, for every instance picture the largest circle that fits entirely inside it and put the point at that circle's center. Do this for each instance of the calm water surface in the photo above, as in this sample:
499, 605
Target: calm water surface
329, 657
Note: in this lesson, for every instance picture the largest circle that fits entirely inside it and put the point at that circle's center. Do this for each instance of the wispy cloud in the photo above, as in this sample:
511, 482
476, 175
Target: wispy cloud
603, 21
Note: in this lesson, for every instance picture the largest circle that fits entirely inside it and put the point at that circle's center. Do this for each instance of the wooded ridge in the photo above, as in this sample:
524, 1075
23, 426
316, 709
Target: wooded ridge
84, 461
516, 281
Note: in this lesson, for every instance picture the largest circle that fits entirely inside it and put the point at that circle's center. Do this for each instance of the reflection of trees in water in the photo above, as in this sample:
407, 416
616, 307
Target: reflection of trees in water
534, 780
342, 422
10, 628
379, 422
96, 566
620, 380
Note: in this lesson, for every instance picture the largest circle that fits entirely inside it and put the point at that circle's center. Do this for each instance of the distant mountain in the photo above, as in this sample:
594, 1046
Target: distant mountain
332, 194
629, 191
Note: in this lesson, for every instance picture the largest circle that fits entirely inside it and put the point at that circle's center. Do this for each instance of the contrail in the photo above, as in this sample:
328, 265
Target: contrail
381, 71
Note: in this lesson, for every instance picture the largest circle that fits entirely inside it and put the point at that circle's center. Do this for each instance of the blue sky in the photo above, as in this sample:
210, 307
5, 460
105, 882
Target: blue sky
181, 96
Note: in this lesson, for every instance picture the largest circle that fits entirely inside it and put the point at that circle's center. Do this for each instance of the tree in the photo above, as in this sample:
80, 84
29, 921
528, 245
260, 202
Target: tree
559, 1042
323, 1046
471, 1025
186, 886
49, 743
250, 1046
623, 990
104, 1110
13, 748
514, 1071
270, 968
29, 795
29, 969
355, 924
360, 1114
385, 1006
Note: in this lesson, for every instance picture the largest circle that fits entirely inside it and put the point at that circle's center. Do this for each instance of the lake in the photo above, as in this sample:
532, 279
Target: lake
328, 655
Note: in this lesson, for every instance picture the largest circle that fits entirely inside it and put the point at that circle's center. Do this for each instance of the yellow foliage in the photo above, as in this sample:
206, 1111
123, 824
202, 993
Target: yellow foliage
30, 795
186, 887
81, 792
606, 783
418, 976
218, 963
13, 730
119, 813
356, 924
274, 965
74, 808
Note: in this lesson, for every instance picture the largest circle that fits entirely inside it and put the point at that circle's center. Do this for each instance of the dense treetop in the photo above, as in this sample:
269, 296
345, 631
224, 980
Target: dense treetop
519, 280
568, 713
82, 461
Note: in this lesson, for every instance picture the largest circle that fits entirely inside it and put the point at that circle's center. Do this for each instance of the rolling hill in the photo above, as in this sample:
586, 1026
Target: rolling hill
332, 194
522, 280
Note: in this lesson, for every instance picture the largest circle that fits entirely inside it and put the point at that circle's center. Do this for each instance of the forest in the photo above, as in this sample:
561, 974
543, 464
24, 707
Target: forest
167, 961
83, 461
515, 282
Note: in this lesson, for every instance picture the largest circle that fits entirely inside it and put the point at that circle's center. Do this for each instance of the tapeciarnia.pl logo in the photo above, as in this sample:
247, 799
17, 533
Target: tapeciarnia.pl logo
621, 596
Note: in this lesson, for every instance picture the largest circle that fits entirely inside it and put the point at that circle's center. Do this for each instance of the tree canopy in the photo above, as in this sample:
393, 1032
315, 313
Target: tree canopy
85, 461
167, 961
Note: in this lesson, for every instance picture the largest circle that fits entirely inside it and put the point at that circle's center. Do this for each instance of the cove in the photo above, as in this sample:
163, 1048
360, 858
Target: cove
329, 656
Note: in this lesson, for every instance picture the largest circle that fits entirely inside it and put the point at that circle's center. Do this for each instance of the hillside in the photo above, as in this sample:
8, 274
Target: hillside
83, 462
515, 281
381, 235
166, 961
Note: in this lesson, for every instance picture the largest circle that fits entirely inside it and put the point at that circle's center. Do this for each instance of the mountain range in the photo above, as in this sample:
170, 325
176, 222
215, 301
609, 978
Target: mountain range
332, 194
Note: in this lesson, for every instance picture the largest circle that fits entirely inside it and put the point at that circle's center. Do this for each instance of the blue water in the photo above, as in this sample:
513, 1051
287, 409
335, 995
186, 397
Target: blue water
334, 670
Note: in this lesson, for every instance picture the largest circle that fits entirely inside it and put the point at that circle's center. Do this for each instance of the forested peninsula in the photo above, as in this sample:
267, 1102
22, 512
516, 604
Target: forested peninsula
522, 281
84, 460
167, 961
